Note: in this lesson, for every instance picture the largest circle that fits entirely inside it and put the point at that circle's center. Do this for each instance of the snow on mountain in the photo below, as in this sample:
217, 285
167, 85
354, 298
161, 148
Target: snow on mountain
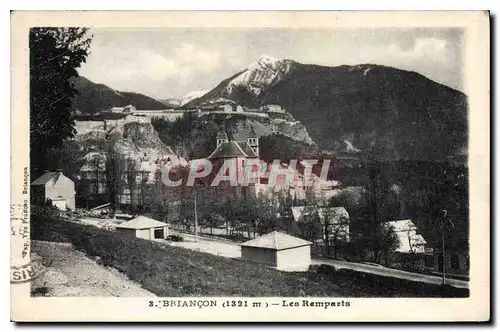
192, 95
265, 72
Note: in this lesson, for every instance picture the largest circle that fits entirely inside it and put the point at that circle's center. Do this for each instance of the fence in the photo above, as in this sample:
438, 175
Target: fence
216, 231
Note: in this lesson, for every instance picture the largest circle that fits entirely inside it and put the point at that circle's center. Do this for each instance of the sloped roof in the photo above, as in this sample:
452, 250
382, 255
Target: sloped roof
246, 148
276, 240
299, 212
406, 230
402, 225
418, 239
334, 213
228, 150
46, 177
141, 222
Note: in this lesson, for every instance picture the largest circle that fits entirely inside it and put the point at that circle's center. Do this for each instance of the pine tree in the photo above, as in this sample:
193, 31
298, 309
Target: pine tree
55, 54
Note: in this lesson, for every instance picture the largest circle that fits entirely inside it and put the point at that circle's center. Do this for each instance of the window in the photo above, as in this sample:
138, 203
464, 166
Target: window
158, 233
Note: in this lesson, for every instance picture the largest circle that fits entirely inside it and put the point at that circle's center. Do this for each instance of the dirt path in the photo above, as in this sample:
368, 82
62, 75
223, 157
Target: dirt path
71, 273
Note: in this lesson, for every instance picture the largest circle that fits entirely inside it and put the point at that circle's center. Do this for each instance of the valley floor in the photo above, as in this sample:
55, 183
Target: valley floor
91, 261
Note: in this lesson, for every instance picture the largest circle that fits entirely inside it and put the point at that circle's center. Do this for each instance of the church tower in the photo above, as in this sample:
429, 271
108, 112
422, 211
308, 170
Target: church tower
222, 137
253, 141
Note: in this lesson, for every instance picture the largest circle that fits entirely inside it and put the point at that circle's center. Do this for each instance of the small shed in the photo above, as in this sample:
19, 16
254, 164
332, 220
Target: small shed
145, 228
283, 251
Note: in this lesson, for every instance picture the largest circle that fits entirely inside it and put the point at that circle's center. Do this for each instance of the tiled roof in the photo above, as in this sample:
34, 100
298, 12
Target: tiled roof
141, 222
228, 150
246, 148
46, 177
276, 240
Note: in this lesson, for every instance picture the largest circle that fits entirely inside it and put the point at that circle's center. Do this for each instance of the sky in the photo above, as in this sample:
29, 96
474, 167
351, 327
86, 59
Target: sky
170, 63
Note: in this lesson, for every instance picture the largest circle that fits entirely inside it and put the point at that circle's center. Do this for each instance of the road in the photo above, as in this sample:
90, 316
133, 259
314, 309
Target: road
388, 272
228, 248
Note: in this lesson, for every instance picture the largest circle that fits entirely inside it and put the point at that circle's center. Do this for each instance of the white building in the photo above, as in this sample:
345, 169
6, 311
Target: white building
409, 239
272, 109
225, 108
337, 219
283, 251
145, 228
54, 186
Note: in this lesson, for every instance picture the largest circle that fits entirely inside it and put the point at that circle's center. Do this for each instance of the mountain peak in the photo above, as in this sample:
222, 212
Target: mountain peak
260, 75
266, 61
362, 109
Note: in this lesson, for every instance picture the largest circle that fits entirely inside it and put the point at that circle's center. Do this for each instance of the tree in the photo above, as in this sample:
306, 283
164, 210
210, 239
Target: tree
68, 157
55, 54
387, 241
132, 182
335, 226
115, 166
267, 209
410, 231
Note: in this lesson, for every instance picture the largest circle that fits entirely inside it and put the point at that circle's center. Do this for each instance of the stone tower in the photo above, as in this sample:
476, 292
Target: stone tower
253, 141
222, 137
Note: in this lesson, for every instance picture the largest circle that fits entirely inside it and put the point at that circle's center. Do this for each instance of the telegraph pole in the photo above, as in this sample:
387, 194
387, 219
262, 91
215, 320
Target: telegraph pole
442, 245
195, 220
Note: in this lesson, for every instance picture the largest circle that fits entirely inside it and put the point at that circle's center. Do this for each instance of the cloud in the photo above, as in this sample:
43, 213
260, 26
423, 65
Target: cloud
181, 64
424, 47
185, 61
188, 60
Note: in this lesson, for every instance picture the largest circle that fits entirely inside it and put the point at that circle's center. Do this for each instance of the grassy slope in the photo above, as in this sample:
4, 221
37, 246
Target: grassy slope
173, 271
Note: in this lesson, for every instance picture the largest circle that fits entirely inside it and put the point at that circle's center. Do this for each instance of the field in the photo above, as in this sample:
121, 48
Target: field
173, 271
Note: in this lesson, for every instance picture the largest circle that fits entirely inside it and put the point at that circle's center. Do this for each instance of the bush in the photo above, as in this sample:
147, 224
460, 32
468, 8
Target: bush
323, 269
175, 238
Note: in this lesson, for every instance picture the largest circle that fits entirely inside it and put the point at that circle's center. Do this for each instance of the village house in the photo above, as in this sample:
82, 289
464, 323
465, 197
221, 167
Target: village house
276, 249
225, 108
272, 109
133, 178
56, 187
411, 248
336, 218
129, 109
410, 241
144, 227
327, 227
